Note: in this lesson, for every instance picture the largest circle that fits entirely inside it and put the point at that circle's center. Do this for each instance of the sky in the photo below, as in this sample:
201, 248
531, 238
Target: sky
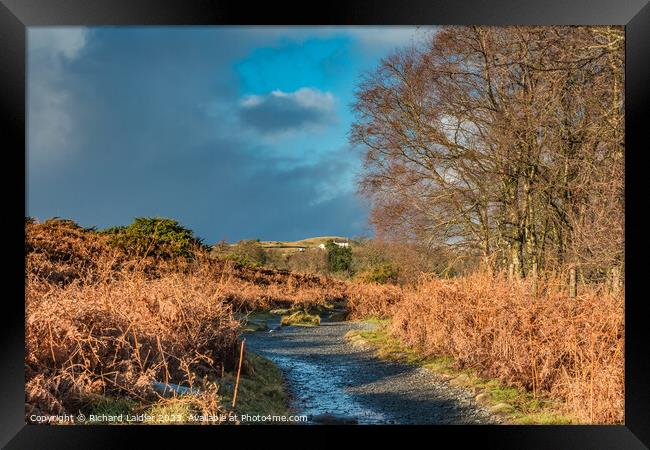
236, 132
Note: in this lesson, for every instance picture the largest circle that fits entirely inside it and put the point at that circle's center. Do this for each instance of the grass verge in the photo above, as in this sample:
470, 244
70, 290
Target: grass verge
512, 405
261, 392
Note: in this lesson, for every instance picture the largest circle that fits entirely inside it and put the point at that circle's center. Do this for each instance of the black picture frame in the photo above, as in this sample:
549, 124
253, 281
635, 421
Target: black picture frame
17, 15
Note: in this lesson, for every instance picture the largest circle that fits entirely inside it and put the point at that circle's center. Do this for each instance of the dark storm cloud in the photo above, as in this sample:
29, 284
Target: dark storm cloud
287, 202
280, 111
145, 127
226, 193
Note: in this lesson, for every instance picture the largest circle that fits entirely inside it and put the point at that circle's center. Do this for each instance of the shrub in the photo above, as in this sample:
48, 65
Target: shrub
154, 236
247, 253
115, 326
570, 348
312, 260
339, 259
366, 300
402, 262
60, 251
381, 273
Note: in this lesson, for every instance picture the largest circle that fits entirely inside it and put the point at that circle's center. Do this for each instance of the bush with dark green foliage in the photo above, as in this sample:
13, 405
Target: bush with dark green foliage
155, 236
113, 230
339, 259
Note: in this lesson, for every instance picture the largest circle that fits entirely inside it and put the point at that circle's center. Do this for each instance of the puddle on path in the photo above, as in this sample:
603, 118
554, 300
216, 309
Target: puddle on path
319, 391
318, 381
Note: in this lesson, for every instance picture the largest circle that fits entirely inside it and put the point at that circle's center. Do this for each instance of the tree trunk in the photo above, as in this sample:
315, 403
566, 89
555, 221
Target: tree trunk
534, 277
573, 287
515, 250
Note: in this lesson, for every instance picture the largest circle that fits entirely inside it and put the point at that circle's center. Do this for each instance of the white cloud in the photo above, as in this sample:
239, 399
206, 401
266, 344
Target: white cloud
305, 97
66, 42
50, 123
50, 104
280, 112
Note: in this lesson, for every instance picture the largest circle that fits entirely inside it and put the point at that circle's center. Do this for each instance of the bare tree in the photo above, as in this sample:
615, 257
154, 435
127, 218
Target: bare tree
501, 142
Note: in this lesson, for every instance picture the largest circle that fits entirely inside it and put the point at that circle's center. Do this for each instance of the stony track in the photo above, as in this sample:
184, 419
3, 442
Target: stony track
333, 381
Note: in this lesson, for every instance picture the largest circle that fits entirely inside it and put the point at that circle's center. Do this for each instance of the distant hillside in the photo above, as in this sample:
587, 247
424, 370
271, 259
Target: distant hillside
280, 248
306, 243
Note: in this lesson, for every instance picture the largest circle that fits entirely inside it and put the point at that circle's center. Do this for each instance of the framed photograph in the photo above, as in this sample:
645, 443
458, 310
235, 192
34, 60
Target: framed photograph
369, 218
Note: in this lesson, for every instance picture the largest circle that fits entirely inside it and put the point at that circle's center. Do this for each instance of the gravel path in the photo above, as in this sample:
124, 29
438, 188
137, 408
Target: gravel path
333, 381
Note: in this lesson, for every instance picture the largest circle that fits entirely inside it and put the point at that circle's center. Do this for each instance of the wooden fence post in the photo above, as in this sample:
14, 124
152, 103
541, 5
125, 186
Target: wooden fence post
241, 358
